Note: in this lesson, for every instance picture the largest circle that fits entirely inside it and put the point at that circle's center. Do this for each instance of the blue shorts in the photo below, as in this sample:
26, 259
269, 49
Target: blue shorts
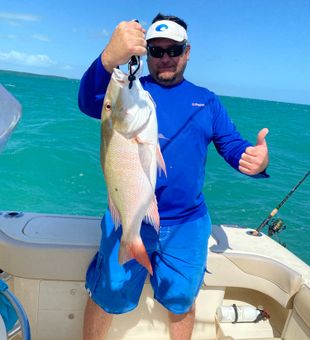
178, 255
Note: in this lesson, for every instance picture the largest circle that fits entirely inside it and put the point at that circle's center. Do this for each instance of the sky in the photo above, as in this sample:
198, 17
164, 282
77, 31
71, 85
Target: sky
244, 48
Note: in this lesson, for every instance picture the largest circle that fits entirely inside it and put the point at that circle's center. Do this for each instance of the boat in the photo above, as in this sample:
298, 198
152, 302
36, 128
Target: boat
44, 258
254, 288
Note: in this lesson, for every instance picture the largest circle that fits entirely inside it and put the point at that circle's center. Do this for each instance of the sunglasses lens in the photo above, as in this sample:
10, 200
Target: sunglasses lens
172, 51
175, 51
156, 52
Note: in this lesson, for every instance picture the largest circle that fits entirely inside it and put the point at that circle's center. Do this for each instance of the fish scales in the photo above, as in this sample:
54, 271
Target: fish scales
130, 154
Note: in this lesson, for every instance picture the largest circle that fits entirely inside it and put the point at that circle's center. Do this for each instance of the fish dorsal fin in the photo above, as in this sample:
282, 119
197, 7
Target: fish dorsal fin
152, 215
160, 161
116, 217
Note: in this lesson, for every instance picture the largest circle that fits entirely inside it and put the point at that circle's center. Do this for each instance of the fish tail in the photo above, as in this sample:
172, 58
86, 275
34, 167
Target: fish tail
135, 250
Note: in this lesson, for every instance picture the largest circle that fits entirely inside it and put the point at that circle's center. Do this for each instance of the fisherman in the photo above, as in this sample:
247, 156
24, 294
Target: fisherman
189, 117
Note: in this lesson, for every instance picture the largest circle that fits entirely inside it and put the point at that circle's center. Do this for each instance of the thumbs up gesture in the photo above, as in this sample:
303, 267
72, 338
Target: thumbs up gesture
255, 158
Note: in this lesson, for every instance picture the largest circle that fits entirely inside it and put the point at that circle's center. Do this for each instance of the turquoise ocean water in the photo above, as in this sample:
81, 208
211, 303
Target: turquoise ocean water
51, 163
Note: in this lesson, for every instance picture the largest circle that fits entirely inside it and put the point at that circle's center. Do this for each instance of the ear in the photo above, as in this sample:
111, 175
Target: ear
187, 51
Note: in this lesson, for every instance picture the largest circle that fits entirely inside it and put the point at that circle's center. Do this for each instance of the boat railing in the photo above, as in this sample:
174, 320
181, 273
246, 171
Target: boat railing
22, 325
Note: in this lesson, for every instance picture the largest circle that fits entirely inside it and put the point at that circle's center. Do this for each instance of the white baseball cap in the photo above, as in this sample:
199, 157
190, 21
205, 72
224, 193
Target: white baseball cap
166, 29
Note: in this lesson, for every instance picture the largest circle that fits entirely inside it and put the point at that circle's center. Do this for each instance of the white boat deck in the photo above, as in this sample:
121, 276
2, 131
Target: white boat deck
47, 256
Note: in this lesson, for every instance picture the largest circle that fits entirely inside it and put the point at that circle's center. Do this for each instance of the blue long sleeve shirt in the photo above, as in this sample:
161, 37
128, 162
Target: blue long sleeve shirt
190, 117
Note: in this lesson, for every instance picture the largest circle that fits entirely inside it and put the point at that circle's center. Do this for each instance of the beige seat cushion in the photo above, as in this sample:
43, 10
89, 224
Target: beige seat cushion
302, 304
230, 338
297, 326
256, 272
298, 323
264, 339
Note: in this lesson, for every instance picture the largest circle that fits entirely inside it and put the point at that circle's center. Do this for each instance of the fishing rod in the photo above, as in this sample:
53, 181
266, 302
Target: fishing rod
277, 225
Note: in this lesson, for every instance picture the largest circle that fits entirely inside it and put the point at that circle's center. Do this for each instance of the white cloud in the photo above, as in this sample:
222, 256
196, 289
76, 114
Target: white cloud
41, 37
105, 32
66, 68
18, 17
20, 58
8, 36
144, 24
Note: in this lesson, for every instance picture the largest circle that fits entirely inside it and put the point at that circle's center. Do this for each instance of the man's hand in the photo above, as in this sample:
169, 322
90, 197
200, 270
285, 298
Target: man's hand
127, 40
255, 158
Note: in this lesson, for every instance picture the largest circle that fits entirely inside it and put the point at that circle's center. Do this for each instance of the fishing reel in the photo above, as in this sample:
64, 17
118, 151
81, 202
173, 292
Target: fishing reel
275, 226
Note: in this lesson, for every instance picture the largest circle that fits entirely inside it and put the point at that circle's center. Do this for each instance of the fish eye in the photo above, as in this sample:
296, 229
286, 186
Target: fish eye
108, 106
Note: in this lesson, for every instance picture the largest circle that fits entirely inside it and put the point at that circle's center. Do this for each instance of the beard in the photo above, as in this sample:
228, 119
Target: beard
166, 76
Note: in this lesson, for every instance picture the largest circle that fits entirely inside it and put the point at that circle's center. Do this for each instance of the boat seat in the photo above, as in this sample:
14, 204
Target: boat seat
230, 338
298, 322
254, 272
297, 325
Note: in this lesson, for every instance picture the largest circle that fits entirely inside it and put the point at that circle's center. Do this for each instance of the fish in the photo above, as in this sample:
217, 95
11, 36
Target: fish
10, 113
130, 156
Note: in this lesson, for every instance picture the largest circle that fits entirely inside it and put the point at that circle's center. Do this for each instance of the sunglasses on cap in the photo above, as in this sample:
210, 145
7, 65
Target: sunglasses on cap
172, 51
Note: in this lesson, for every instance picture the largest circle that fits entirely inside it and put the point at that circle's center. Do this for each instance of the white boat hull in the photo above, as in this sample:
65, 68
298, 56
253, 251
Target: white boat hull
46, 257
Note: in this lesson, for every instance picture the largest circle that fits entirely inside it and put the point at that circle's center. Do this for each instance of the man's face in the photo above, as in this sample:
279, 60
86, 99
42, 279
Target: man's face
167, 70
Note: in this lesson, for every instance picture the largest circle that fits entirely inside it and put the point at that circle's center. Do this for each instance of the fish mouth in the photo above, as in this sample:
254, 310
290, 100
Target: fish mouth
120, 77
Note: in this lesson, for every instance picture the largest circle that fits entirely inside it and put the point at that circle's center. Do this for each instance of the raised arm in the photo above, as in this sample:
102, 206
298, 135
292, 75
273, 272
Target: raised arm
238, 152
127, 40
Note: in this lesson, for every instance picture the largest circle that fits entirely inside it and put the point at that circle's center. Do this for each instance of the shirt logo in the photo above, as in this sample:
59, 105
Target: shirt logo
198, 104
161, 28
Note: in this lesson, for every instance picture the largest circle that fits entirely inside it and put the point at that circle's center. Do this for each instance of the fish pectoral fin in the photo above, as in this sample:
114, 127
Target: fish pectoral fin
116, 217
161, 136
152, 215
160, 161
134, 250
140, 140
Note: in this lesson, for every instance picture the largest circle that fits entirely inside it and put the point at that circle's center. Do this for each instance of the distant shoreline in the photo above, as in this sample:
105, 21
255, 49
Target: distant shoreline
77, 79
37, 74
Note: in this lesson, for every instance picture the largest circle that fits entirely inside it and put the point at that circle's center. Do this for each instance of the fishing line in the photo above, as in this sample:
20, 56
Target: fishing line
134, 61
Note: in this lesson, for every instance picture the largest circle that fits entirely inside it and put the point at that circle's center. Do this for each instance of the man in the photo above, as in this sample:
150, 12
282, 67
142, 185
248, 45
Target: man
190, 117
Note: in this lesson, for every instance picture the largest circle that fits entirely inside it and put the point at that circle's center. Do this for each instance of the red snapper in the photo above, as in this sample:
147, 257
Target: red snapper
130, 155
